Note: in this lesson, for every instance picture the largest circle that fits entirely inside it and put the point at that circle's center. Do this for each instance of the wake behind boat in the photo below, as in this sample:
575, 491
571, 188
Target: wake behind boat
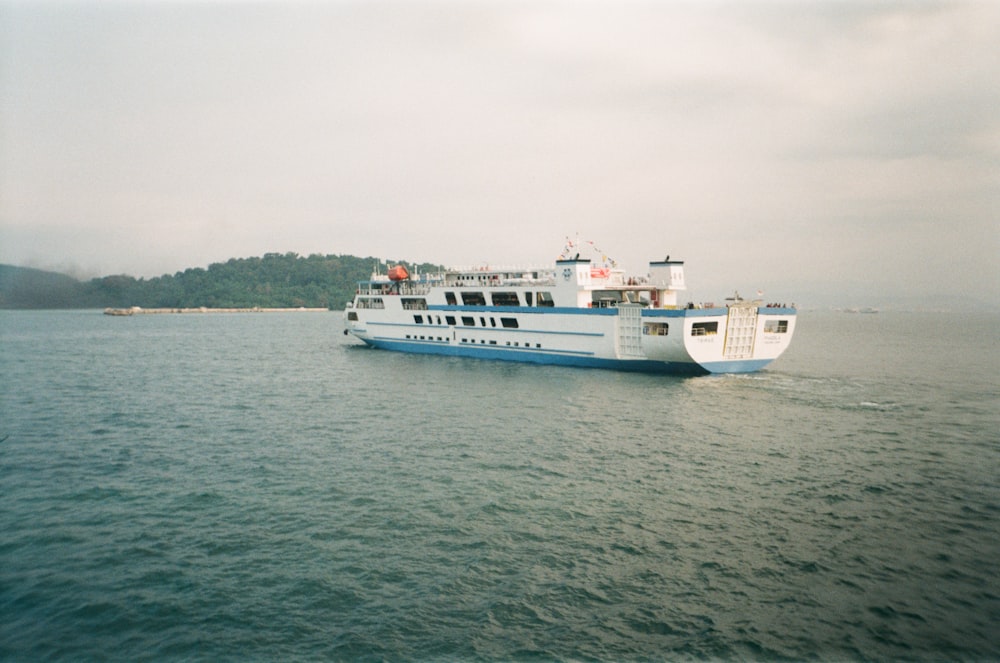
576, 313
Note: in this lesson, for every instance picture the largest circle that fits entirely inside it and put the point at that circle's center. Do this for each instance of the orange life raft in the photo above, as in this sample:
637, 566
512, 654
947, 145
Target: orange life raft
398, 273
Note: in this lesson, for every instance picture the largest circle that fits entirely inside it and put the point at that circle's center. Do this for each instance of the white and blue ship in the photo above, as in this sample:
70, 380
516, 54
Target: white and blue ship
579, 312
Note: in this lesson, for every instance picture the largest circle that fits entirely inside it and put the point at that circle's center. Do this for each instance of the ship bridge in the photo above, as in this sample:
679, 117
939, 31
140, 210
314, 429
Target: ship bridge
601, 286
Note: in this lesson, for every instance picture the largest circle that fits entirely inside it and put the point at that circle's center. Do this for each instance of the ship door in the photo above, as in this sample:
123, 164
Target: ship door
628, 333
741, 330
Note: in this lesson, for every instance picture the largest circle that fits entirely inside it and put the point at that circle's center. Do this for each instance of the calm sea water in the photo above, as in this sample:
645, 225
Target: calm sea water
256, 487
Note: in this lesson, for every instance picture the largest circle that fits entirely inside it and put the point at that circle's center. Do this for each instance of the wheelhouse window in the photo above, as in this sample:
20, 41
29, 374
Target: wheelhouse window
704, 328
450, 319
545, 299
473, 298
352, 316
655, 328
468, 321
605, 298
370, 302
419, 319
509, 323
449, 298
414, 303
776, 327
505, 299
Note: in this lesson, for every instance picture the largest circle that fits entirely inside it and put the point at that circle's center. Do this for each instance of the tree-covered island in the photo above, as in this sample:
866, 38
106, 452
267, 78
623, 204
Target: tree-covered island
276, 280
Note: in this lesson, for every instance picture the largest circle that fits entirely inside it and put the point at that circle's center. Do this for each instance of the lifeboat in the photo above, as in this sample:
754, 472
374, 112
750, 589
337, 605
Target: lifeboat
398, 273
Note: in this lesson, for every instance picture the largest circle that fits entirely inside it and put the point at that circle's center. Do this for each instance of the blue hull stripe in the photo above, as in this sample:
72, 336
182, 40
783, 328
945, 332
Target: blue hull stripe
736, 366
572, 310
568, 310
534, 356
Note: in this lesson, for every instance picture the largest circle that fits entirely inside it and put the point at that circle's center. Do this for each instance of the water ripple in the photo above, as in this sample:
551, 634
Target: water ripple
164, 497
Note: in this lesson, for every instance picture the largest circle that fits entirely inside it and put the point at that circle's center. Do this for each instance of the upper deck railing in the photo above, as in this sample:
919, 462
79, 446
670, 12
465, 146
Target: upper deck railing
499, 275
387, 287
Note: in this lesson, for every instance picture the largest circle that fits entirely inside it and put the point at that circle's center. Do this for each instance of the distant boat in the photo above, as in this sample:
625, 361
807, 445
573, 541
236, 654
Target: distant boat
869, 310
578, 313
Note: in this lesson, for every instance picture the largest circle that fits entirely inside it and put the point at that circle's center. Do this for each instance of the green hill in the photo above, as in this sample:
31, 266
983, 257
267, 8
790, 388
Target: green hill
24, 287
273, 281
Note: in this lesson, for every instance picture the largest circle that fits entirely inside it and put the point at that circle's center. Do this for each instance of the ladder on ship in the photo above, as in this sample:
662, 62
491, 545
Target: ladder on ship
628, 332
741, 331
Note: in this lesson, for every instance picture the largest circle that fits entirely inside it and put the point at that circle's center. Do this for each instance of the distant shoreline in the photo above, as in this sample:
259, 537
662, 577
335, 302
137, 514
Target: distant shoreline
138, 310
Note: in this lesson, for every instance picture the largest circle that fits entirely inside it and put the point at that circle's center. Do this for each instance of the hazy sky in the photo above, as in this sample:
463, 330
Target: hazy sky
803, 148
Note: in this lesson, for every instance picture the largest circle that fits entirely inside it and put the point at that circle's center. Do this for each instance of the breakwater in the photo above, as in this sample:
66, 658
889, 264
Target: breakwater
137, 310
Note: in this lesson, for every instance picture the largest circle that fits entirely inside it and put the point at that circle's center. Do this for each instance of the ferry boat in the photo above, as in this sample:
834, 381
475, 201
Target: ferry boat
579, 312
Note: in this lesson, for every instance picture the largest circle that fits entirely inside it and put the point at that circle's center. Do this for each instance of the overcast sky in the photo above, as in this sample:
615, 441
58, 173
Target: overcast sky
803, 148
